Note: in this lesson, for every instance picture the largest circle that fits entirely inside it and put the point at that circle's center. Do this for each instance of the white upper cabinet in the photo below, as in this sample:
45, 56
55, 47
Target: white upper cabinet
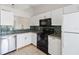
7, 18
57, 16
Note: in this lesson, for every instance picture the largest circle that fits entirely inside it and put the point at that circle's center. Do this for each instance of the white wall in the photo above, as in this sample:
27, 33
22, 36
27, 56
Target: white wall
56, 16
27, 13
21, 23
42, 8
71, 9
35, 19
19, 14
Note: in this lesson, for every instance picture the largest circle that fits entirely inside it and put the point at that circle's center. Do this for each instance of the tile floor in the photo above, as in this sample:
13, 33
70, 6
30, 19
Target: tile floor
28, 50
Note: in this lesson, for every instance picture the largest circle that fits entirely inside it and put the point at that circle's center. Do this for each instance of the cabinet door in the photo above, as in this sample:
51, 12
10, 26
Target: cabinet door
34, 39
11, 43
50, 45
54, 45
19, 41
4, 46
28, 38
57, 46
24, 40
7, 18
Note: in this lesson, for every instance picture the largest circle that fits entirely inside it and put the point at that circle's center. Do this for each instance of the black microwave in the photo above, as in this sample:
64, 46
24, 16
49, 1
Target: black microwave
45, 22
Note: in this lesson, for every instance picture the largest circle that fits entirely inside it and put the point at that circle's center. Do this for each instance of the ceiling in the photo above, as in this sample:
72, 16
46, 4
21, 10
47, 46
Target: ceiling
47, 7
37, 8
17, 6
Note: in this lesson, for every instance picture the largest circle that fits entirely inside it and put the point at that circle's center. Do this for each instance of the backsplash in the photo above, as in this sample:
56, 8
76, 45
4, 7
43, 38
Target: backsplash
57, 29
6, 28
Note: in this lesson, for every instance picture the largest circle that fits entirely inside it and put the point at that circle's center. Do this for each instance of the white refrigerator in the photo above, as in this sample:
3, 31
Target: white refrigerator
70, 34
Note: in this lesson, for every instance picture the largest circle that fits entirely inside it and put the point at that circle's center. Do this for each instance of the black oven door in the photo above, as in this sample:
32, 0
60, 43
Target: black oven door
42, 42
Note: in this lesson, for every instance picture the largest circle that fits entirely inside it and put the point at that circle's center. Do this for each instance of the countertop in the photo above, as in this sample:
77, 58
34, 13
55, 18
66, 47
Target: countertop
18, 32
55, 35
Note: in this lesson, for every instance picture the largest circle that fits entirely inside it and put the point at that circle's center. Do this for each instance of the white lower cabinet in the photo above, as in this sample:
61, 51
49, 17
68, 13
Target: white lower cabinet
26, 39
23, 40
54, 45
34, 39
7, 44
20, 39
4, 46
11, 41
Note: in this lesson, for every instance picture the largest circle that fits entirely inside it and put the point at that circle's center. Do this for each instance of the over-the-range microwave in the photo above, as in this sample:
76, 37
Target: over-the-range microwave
45, 22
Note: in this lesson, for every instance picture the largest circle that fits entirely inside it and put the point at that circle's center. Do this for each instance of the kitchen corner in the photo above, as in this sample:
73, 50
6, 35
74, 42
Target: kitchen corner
15, 37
